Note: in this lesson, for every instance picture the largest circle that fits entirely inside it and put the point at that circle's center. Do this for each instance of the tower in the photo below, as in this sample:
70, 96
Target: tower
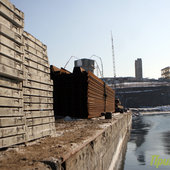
138, 69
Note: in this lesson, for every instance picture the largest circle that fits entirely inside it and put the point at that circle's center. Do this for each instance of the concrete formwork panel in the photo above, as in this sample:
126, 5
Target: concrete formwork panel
36, 59
11, 16
14, 93
10, 83
39, 113
33, 99
38, 106
37, 66
11, 72
9, 112
11, 53
11, 26
11, 35
11, 131
35, 85
35, 92
39, 121
8, 141
11, 44
10, 6
11, 63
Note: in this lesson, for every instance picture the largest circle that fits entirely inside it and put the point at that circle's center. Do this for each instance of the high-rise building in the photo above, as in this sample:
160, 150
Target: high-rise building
138, 69
86, 64
165, 73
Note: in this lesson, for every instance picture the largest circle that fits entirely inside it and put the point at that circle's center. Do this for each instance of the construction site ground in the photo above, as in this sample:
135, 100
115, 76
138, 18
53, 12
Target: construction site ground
70, 136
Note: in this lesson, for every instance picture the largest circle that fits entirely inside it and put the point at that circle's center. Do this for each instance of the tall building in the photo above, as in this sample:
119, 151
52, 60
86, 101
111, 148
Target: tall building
165, 73
138, 69
86, 64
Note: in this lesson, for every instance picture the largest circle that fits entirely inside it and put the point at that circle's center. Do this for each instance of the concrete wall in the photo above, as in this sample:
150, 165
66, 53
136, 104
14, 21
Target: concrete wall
103, 152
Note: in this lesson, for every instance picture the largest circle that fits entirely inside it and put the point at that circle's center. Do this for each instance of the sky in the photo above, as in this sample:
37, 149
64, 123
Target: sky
82, 28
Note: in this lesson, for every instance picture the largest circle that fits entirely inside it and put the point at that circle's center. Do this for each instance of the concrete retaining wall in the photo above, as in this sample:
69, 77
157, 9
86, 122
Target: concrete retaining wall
103, 152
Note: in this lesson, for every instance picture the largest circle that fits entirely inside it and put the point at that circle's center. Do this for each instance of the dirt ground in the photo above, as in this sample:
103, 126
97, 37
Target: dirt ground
38, 154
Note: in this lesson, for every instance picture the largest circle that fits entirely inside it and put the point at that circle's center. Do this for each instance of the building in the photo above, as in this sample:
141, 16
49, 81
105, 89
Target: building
138, 69
165, 73
86, 64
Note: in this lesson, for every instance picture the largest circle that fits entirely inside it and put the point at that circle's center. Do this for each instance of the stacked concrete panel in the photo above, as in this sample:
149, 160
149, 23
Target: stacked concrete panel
12, 118
38, 89
26, 90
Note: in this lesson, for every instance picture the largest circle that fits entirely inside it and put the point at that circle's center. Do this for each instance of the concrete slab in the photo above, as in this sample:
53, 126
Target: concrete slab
11, 53
10, 83
11, 121
4, 60
37, 106
11, 26
35, 92
11, 16
11, 72
9, 111
11, 102
14, 93
36, 85
39, 113
11, 44
33, 99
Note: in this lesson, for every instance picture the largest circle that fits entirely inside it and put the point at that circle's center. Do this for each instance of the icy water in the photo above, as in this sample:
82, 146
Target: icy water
150, 136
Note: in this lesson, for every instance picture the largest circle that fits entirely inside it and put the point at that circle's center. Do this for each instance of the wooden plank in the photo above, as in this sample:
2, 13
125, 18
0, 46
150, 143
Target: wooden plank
11, 7
11, 26
36, 85
6, 92
11, 131
39, 121
11, 44
11, 35
11, 121
11, 63
10, 83
8, 111
11, 102
35, 99
36, 78
11, 16
13, 140
11, 73
11, 53
36, 59
39, 106
39, 113
36, 92
36, 66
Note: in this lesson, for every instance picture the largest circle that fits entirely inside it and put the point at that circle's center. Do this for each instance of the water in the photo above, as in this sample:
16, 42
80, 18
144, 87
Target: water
150, 135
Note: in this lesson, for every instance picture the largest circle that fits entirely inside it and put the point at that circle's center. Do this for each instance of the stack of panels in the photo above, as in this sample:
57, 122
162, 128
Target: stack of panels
12, 119
80, 94
37, 89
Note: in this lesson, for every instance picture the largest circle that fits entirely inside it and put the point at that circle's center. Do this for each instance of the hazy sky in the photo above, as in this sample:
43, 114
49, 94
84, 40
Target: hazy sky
81, 28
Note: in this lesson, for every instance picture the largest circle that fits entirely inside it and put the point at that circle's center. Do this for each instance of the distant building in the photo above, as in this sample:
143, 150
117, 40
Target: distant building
138, 69
86, 64
165, 73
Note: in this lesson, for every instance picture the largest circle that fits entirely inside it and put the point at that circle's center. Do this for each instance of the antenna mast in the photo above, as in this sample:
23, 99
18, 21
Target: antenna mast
113, 55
